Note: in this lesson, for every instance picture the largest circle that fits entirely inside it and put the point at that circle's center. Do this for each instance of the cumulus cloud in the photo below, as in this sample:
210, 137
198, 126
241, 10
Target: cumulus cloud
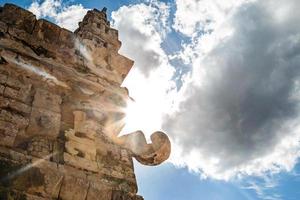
142, 36
240, 115
194, 17
66, 16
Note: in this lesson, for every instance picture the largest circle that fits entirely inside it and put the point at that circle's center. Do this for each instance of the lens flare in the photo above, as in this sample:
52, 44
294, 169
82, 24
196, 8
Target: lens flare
27, 167
142, 115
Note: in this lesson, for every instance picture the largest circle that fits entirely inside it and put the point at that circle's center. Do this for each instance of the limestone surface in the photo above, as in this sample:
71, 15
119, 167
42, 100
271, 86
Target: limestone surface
62, 109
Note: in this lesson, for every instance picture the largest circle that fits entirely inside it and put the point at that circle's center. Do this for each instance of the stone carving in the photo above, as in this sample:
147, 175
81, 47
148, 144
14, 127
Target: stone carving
61, 110
40, 147
81, 142
149, 154
45, 114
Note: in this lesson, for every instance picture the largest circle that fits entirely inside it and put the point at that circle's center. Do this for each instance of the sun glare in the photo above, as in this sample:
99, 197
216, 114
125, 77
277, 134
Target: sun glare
153, 99
142, 115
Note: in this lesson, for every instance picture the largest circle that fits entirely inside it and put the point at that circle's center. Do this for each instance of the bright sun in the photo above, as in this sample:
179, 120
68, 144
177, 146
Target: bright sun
152, 100
144, 115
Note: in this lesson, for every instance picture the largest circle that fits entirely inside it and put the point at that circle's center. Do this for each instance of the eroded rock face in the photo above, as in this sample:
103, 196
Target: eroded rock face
61, 110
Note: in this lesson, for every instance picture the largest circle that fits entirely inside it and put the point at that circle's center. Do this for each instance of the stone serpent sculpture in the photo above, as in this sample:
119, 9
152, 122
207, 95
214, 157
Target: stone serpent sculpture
148, 154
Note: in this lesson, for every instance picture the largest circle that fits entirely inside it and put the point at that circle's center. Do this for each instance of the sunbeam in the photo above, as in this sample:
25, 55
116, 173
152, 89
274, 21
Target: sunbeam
26, 168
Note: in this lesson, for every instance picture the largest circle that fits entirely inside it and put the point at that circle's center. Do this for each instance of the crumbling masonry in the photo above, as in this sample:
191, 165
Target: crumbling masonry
62, 109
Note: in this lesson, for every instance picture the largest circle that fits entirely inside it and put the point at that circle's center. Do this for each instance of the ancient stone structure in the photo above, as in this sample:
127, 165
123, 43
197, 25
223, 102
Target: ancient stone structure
61, 110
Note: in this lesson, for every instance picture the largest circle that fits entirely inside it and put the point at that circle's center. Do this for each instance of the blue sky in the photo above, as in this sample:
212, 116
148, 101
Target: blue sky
168, 182
221, 78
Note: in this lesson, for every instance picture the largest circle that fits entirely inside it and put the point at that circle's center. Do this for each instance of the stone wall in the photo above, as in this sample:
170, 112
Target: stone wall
61, 110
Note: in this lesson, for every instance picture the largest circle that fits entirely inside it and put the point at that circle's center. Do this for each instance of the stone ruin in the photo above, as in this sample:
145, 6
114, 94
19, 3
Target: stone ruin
62, 109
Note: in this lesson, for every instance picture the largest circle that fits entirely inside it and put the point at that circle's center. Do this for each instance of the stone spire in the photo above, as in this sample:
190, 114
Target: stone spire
102, 43
96, 27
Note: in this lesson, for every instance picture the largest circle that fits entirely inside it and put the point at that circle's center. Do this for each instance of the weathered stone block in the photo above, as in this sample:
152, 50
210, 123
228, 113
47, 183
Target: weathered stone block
20, 107
40, 147
74, 186
44, 122
15, 157
18, 17
34, 197
121, 64
1, 89
3, 27
126, 158
87, 127
80, 163
10, 194
12, 93
51, 177
101, 145
8, 133
47, 31
3, 78
113, 182
47, 100
21, 34
98, 191
71, 171
121, 195
17, 106
17, 90
16, 119
66, 38
14, 83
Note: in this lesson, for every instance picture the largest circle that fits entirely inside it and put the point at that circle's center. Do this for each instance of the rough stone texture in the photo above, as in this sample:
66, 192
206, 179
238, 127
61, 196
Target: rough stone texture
61, 110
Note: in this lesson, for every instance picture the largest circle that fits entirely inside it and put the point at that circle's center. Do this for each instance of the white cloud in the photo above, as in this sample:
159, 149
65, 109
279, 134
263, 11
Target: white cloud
195, 16
240, 115
66, 16
70, 16
260, 191
46, 8
142, 36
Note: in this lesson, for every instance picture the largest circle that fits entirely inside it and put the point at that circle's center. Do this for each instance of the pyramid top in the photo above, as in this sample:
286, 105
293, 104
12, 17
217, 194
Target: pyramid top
95, 26
49, 40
